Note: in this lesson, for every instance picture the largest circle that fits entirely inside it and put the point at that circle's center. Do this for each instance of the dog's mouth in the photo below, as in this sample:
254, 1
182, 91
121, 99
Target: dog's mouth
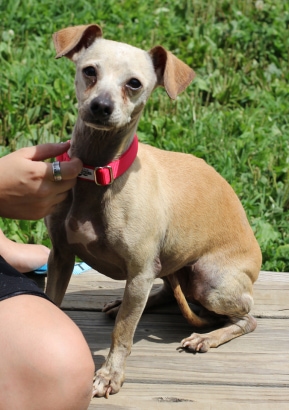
98, 126
96, 122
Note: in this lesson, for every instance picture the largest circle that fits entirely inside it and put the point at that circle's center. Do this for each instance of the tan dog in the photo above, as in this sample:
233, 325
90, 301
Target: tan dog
167, 214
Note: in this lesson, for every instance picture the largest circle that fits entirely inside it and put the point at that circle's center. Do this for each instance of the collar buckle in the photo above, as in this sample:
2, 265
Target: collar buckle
111, 177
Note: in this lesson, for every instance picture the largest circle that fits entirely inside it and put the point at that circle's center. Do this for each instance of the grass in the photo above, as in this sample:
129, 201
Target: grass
235, 115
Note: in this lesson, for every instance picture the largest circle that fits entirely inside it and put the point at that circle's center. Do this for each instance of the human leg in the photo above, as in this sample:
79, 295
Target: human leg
45, 361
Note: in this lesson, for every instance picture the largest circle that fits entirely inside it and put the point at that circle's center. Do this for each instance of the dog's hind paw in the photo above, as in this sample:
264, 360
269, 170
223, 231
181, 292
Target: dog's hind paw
112, 308
197, 343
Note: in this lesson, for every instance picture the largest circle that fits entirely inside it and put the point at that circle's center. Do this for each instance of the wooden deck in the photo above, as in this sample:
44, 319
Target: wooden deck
250, 372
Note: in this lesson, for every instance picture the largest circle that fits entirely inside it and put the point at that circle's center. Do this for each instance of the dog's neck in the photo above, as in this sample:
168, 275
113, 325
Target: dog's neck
99, 147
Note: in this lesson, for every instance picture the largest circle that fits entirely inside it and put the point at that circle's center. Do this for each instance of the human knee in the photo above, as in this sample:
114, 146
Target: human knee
74, 386
71, 372
68, 371
46, 356
77, 371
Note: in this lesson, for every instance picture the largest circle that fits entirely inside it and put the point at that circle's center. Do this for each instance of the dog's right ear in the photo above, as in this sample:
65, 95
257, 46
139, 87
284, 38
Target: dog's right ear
70, 40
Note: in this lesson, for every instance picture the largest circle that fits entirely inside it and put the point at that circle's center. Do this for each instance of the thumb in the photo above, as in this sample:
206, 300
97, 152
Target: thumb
45, 151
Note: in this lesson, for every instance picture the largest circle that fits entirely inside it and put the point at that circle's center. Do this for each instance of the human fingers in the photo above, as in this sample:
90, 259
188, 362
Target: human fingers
45, 151
64, 170
49, 196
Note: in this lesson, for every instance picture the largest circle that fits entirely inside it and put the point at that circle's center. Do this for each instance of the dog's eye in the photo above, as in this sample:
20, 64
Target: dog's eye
134, 84
89, 71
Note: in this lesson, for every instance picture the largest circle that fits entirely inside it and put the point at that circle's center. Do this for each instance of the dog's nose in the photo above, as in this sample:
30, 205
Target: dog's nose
101, 106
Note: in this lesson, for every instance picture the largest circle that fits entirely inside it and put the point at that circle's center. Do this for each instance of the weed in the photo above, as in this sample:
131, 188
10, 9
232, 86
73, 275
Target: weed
235, 115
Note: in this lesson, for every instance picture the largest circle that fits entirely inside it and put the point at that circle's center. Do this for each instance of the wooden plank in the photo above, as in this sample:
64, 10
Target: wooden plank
91, 290
253, 369
271, 295
249, 372
192, 397
159, 338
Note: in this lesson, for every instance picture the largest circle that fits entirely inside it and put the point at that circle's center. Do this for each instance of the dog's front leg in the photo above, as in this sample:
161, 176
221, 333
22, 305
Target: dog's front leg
60, 267
109, 378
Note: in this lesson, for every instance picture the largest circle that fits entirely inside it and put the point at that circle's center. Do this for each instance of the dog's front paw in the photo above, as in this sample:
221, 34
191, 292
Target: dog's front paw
112, 308
107, 382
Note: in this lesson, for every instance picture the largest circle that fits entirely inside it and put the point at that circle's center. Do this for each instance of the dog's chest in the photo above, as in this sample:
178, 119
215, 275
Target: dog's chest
88, 239
83, 233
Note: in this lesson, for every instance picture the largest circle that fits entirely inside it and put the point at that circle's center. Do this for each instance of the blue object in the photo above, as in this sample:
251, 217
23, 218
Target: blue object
79, 268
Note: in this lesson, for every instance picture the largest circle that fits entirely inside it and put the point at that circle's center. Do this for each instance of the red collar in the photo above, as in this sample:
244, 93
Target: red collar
107, 174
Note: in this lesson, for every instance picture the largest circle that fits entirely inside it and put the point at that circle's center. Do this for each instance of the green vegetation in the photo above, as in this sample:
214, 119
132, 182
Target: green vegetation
235, 115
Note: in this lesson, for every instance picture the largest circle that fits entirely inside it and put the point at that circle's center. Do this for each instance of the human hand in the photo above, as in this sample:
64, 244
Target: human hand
27, 186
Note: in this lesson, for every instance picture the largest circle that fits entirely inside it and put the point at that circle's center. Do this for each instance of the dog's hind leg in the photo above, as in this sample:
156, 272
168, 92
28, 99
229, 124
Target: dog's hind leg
226, 292
237, 326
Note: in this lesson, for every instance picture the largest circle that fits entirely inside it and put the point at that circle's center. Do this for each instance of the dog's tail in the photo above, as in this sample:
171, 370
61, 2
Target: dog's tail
188, 314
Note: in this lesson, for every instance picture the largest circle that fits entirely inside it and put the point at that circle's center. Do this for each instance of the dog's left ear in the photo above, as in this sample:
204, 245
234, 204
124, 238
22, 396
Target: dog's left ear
172, 73
70, 40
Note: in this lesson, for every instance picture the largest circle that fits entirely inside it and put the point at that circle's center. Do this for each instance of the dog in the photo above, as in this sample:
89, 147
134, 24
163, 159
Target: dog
139, 213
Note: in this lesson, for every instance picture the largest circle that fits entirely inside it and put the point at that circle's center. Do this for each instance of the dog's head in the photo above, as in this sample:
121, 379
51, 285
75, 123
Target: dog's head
114, 80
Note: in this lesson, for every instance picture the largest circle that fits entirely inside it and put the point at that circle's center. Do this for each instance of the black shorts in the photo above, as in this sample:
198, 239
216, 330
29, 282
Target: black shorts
14, 283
